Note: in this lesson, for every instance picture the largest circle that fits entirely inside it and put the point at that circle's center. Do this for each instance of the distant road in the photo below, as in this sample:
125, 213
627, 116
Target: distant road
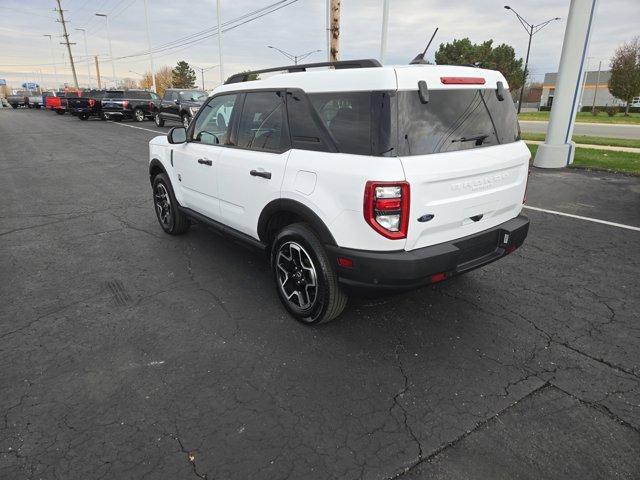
594, 129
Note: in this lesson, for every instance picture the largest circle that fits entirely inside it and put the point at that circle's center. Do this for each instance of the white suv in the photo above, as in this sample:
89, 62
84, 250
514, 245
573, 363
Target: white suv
358, 176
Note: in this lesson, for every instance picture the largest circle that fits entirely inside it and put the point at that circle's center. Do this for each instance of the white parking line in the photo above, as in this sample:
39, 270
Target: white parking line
132, 126
588, 219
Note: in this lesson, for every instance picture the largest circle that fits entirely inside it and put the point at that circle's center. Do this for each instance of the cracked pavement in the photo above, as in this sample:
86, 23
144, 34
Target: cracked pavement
127, 353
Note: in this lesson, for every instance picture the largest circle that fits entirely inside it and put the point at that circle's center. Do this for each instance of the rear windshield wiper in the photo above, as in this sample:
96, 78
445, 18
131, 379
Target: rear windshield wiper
477, 138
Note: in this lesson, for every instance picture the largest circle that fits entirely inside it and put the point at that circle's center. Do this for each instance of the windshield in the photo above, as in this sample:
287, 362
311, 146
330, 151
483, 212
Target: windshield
194, 96
456, 119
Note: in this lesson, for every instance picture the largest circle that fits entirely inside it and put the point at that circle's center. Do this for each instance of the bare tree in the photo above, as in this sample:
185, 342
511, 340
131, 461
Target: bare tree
625, 72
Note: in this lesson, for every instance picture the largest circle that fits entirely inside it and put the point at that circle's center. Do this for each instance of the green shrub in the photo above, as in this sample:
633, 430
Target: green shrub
612, 111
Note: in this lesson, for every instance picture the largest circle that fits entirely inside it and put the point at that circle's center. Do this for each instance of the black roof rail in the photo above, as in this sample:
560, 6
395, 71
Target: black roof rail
343, 64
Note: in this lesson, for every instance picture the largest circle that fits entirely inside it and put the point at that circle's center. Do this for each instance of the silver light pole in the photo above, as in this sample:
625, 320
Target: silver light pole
385, 26
220, 42
86, 54
113, 62
291, 56
153, 70
53, 59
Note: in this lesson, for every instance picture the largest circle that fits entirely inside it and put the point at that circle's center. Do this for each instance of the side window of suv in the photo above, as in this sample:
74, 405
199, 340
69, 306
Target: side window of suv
261, 125
347, 115
212, 125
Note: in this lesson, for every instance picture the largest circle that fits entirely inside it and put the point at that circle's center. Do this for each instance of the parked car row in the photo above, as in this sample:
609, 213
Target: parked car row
178, 105
25, 98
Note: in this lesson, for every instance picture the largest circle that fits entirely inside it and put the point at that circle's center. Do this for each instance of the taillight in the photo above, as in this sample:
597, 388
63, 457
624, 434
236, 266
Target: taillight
92, 102
386, 208
125, 104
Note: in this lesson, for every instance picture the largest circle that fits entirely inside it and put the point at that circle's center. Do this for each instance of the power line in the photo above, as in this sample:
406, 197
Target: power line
214, 33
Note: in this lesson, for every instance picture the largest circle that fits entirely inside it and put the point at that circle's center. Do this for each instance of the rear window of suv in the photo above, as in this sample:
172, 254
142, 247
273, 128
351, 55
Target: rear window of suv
456, 119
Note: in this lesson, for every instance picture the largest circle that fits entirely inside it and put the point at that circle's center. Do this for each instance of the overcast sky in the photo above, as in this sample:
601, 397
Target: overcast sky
26, 55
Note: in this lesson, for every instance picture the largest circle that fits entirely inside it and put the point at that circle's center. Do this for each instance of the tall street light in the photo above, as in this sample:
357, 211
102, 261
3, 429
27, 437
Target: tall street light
53, 59
86, 54
531, 31
202, 70
220, 41
113, 63
153, 70
293, 57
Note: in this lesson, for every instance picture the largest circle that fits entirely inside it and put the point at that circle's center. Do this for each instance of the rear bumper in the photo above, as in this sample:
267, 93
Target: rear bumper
400, 270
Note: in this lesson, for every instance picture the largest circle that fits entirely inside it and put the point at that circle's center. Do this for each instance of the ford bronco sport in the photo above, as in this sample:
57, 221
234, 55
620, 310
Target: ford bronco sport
358, 176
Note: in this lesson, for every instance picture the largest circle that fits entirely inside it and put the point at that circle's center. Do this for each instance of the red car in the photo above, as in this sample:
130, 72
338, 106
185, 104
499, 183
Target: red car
58, 103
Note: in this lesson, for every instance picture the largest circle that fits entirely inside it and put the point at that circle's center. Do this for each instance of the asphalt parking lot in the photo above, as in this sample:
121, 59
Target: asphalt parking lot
130, 354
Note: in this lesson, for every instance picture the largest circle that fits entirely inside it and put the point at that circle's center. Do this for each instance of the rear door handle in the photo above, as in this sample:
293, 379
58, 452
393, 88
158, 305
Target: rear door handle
205, 161
260, 173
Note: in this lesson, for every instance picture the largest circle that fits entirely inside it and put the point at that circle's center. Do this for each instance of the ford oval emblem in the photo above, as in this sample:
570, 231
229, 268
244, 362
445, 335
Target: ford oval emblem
426, 218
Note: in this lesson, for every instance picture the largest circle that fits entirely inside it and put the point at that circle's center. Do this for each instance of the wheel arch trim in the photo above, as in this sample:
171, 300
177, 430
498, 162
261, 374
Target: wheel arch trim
286, 205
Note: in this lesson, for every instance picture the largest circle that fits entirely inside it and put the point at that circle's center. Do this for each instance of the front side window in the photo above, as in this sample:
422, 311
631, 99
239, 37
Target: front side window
261, 124
154, 96
456, 119
212, 125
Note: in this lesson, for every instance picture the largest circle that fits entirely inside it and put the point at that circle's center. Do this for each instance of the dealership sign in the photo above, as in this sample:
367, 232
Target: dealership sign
3, 81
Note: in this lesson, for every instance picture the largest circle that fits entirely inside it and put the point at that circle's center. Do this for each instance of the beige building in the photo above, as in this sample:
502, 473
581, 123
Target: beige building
594, 86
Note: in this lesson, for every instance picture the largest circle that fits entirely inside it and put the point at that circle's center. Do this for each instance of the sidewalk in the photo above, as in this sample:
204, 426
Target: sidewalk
595, 147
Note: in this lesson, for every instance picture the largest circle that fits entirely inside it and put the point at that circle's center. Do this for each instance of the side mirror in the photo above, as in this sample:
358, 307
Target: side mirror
176, 101
177, 135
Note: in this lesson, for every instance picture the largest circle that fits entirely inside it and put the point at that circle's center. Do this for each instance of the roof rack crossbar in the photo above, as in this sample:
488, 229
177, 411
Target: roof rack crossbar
343, 64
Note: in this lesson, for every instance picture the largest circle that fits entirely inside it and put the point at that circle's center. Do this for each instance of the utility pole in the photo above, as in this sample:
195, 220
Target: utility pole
86, 54
385, 27
98, 73
202, 70
53, 59
153, 70
66, 42
334, 30
584, 85
220, 42
595, 93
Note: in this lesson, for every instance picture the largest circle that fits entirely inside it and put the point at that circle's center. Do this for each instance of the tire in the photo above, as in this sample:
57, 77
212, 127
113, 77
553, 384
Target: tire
83, 116
186, 119
138, 115
103, 117
299, 258
60, 112
158, 119
171, 220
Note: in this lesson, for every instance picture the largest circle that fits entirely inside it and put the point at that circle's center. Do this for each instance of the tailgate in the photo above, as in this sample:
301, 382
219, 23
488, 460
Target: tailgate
455, 194
112, 105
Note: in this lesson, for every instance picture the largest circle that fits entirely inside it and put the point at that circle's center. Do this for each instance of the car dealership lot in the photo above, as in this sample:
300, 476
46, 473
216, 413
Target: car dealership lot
127, 353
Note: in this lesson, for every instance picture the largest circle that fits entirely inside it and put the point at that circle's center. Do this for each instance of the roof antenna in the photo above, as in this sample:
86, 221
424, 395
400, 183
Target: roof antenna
419, 60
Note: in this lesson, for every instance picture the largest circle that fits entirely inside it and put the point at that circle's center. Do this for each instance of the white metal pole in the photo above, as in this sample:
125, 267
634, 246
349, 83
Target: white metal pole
385, 26
328, 30
558, 150
53, 59
220, 42
153, 70
113, 62
86, 54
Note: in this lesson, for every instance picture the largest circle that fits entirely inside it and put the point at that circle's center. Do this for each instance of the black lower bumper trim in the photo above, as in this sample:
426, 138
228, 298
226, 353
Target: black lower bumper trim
399, 270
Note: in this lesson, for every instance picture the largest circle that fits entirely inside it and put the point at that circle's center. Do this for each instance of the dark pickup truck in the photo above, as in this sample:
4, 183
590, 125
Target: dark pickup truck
88, 105
179, 106
135, 104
